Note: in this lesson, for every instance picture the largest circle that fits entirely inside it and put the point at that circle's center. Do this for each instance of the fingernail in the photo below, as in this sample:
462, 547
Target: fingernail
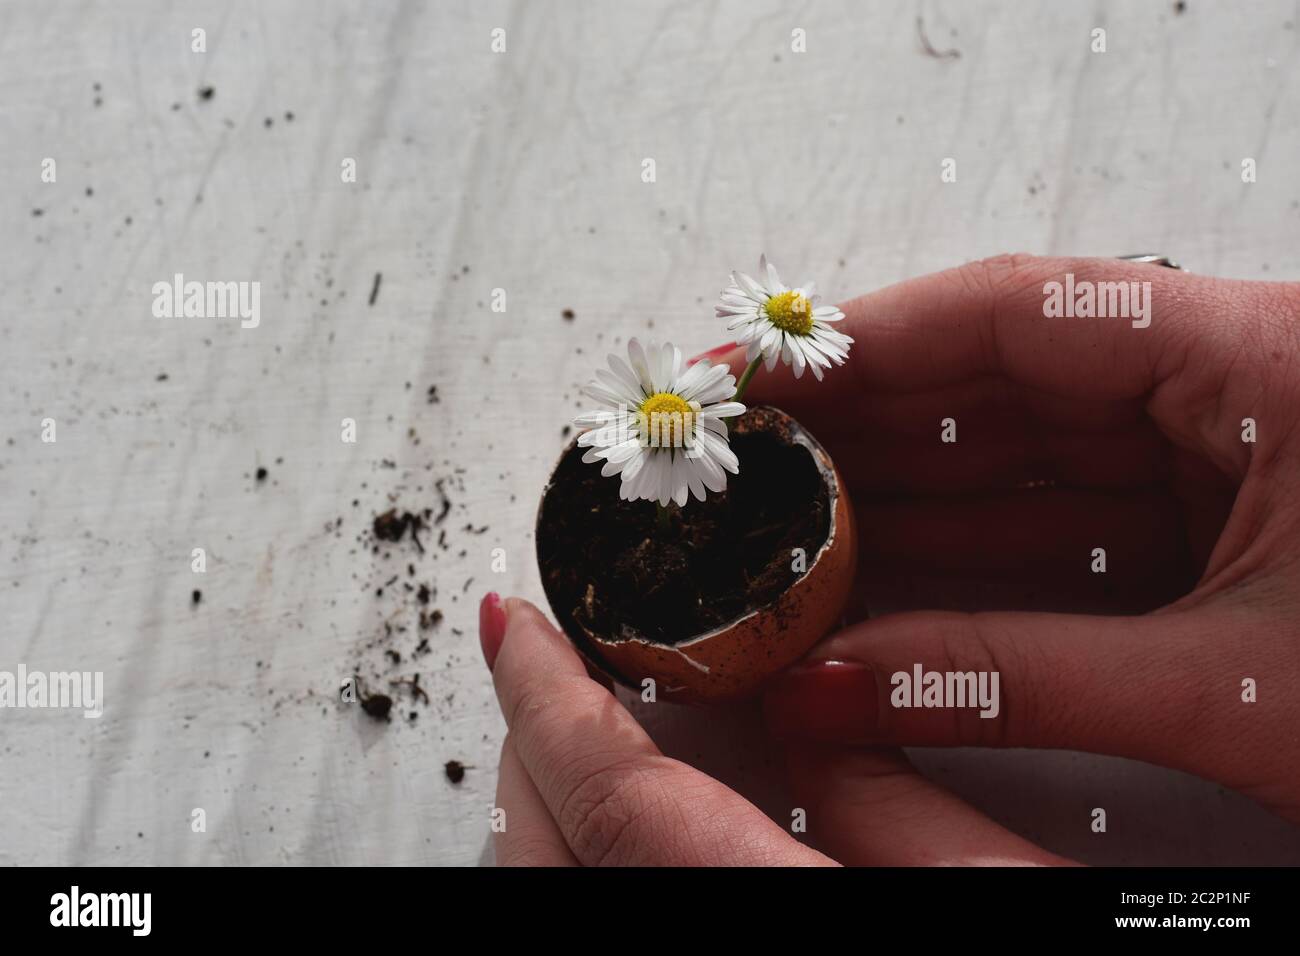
491, 626
718, 352
826, 700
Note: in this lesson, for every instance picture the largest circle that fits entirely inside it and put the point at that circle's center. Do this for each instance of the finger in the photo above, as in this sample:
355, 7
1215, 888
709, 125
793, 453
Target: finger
599, 676
993, 456
529, 836
1023, 550
986, 400
987, 318
885, 590
1157, 688
1035, 532
615, 798
871, 808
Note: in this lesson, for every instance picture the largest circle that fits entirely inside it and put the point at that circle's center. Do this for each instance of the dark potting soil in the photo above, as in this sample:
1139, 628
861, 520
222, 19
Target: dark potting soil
608, 567
377, 706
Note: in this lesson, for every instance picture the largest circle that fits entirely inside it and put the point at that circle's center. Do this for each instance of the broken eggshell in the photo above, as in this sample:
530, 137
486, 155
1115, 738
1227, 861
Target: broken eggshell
732, 662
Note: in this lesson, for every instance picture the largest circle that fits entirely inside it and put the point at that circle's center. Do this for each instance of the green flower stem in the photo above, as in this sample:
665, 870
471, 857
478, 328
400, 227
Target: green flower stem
665, 525
750, 369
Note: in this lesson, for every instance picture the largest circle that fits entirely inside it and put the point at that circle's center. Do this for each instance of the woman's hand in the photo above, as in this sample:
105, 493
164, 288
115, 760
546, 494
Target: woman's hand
1072, 434
582, 784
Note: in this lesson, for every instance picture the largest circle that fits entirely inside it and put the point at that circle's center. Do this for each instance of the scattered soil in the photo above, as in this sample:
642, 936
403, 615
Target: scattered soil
374, 289
455, 770
608, 567
399, 574
377, 706
390, 526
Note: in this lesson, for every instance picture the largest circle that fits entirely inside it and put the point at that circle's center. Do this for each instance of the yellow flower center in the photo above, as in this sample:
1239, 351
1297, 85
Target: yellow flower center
668, 420
665, 403
790, 312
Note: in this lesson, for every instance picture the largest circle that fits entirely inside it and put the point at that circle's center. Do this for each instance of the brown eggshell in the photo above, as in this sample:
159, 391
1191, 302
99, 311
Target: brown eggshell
733, 662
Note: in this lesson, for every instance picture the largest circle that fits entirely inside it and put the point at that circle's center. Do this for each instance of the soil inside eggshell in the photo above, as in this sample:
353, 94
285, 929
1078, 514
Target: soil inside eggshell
610, 568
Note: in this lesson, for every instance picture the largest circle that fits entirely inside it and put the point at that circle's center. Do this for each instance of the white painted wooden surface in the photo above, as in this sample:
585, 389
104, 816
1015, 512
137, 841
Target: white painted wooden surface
518, 171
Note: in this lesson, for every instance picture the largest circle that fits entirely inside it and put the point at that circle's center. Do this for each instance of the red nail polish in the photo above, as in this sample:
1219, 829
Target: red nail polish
714, 353
825, 701
491, 626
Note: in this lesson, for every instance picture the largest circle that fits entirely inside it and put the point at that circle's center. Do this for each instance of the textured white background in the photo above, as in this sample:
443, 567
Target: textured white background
519, 171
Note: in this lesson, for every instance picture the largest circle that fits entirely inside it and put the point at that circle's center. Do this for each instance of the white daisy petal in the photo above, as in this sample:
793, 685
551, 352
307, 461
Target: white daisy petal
619, 387
597, 419
676, 364
815, 355
750, 287
707, 382
637, 359
602, 394
653, 362
634, 465
711, 473
718, 391
719, 451
773, 280
694, 480
680, 480
723, 410
689, 379
664, 477
715, 425
736, 305
625, 373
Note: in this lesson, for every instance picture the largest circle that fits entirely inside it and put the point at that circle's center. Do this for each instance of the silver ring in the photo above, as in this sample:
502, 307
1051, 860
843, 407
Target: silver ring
1154, 259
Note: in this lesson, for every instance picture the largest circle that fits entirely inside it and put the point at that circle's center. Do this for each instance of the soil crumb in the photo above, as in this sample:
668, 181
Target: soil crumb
377, 706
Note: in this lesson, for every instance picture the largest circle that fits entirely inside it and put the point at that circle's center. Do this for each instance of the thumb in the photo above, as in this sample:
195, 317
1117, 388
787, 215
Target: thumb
1153, 688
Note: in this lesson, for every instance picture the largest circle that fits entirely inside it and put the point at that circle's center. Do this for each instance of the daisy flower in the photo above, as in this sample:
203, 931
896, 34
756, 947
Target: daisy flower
774, 321
661, 428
